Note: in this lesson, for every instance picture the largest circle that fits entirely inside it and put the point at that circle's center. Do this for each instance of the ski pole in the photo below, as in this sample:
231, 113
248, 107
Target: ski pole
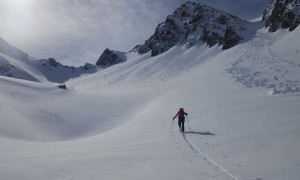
188, 122
172, 125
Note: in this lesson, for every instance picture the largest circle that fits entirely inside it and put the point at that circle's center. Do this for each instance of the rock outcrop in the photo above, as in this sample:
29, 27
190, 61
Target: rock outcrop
282, 14
192, 23
110, 57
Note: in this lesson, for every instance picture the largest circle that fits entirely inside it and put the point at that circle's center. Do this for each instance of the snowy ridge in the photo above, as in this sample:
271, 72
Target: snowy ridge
56, 72
194, 23
17, 64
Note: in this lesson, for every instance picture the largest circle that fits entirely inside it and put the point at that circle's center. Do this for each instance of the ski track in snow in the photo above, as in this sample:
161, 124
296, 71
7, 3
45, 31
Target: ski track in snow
205, 157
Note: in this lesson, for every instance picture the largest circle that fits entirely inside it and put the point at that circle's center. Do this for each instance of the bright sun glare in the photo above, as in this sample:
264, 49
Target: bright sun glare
19, 2
18, 6
16, 14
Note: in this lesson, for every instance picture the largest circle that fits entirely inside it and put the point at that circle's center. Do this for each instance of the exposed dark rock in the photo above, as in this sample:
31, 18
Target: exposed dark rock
211, 38
222, 19
88, 66
110, 57
53, 62
192, 23
230, 38
282, 14
62, 86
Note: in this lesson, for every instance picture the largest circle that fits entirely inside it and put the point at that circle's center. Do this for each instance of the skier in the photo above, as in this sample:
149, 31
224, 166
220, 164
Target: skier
181, 118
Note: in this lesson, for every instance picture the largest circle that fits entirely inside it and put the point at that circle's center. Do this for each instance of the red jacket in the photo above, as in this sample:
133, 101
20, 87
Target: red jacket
180, 113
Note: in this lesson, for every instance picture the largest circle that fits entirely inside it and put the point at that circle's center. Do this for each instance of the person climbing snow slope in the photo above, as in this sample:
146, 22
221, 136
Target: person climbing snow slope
181, 118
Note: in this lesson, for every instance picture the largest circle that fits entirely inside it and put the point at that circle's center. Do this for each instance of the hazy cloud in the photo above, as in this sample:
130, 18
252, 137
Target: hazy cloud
77, 31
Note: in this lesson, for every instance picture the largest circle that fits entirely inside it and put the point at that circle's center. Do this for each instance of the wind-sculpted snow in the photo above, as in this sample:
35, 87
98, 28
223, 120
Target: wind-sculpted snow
39, 112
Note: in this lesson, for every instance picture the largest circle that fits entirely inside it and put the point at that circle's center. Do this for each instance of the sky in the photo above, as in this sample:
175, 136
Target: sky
75, 32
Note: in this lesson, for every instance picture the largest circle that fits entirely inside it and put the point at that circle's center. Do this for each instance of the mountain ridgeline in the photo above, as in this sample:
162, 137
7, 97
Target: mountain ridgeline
193, 23
190, 24
56, 72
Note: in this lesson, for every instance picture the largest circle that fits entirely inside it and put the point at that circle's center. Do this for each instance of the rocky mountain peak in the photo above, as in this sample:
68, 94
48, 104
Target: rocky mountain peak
110, 57
192, 23
282, 14
57, 72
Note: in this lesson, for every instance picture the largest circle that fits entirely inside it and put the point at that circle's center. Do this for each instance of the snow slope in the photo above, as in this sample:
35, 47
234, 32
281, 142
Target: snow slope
116, 123
17, 64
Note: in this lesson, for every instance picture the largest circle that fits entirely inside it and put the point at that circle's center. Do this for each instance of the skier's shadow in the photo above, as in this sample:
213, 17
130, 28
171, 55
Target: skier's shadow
207, 133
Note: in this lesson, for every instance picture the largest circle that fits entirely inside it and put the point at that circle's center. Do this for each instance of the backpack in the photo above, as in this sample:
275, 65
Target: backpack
181, 112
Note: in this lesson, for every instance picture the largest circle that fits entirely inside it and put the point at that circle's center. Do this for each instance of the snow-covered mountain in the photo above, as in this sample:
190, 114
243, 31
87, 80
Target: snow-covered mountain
15, 63
56, 72
193, 23
110, 57
242, 104
18, 64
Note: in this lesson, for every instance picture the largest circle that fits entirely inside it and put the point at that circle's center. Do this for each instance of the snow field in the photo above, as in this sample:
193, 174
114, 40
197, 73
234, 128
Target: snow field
115, 124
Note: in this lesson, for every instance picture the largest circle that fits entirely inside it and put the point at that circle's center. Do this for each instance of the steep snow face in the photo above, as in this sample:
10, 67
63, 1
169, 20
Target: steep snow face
17, 64
282, 14
191, 23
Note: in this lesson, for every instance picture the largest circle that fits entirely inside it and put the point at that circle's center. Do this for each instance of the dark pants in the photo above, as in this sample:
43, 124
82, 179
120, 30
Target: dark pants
181, 123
